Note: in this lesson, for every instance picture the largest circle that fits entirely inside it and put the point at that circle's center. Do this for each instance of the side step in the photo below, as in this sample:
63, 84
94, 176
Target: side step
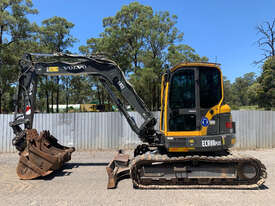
230, 171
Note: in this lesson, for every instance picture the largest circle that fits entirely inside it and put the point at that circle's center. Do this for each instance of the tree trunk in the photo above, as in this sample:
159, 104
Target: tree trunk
57, 94
154, 96
67, 102
159, 103
52, 101
1, 34
47, 96
67, 94
98, 92
136, 63
0, 102
47, 101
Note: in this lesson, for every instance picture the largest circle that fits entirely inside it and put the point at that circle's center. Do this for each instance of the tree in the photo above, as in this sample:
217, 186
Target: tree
14, 25
160, 33
227, 87
266, 89
146, 82
240, 88
266, 42
15, 33
253, 94
138, 38
80, 90
123, 37
183, 53
55, 35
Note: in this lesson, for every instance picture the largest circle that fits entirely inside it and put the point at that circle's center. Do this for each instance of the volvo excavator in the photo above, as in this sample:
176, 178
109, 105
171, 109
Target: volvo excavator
190, 149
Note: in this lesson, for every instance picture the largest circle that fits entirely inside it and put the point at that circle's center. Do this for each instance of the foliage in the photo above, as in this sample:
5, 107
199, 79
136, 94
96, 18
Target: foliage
146, 83
142, 42
55, 36
15, 33
248, 91
228, 94
183, 53
266, 87
253, 93
240, 88
80, 90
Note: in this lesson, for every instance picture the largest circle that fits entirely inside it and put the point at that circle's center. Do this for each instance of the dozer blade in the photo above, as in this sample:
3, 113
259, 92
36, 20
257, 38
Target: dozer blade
117, 169
42, 155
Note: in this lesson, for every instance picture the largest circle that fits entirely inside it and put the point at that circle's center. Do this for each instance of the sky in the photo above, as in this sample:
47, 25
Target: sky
222, 30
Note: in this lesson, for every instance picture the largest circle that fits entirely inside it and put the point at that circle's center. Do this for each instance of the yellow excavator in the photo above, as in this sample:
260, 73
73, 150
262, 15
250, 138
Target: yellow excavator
190, 149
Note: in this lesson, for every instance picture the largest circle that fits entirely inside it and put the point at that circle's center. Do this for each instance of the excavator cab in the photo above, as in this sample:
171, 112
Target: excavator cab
193, 118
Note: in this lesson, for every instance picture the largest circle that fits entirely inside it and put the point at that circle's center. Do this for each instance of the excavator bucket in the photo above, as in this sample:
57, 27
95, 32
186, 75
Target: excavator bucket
117, 169
42, 155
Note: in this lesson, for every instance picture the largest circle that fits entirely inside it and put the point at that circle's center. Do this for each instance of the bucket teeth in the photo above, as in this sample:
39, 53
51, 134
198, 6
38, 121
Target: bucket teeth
42, 155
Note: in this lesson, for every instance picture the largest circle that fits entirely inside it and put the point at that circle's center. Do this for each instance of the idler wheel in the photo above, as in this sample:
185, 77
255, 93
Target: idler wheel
248, 171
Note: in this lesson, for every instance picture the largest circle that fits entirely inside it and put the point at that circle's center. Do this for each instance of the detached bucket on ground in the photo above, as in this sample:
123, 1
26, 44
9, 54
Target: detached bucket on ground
42, 155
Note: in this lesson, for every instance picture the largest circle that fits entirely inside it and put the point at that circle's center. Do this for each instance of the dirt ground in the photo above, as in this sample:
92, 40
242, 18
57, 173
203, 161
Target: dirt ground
83, 182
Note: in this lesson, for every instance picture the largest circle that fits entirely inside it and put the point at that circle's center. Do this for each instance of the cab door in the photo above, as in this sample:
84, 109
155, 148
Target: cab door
183, 102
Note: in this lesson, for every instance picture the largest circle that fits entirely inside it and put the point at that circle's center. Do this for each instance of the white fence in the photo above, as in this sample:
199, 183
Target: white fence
254, 129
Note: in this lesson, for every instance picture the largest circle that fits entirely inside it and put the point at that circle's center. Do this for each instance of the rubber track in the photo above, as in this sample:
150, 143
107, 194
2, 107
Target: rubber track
145, 158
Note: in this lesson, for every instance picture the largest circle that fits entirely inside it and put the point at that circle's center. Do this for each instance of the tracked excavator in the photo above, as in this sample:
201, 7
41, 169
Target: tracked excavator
190, 149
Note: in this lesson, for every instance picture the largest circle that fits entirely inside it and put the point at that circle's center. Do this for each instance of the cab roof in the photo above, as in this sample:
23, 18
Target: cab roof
195, 64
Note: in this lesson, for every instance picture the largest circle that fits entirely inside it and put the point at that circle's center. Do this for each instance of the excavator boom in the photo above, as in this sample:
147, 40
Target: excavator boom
40, 154
64, 64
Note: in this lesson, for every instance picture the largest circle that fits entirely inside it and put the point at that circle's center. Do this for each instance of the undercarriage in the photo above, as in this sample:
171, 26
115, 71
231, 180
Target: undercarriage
216, 170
